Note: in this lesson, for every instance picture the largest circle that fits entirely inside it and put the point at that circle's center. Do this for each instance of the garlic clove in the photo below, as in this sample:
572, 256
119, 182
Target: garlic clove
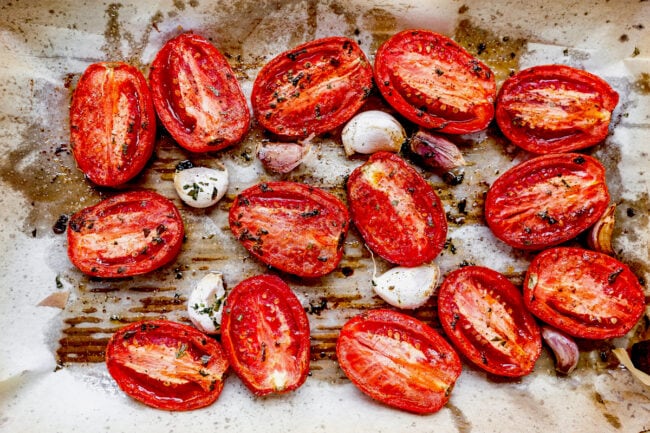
405, 287
372, 131
205, 304
283, 157
600, 235
564, 348
200, 187
436, 151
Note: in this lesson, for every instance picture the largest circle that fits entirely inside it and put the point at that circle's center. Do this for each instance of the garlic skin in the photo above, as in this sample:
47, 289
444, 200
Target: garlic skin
405, 287
372, 131
205, 304
283, 157
200, 187
436, 151
600, 235
564, 348
624, 358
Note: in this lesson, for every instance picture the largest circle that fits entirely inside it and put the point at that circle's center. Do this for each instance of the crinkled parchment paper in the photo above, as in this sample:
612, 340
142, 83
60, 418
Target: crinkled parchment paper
52, 378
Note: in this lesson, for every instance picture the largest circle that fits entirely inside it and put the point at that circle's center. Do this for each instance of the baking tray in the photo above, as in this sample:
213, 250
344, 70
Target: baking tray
52, 377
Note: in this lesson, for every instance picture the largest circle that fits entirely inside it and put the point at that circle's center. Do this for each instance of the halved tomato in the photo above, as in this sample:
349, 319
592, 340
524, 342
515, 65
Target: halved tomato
112, 123
398, 360
265, 333
547, 200
167, 365
293, 227
128, 234
583, 293
398, 214
435, 83
197, 96
312, 88
484, 316
555, 108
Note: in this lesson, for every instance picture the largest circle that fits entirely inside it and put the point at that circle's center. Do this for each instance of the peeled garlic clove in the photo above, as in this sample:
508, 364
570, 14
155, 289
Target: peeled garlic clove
200, 187
564, 348
405, 287
205, 303
283, 157
600, 235
437, 152
372, 131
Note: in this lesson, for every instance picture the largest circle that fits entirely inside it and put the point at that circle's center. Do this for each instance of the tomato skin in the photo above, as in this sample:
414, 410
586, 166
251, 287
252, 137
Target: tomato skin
555, 108
546, 200
398, 214
584, 293
290, 226
112, 123
167, 365
484, 316
312, 88
265, 333
435, 83
128, 234
197, 96
398, 360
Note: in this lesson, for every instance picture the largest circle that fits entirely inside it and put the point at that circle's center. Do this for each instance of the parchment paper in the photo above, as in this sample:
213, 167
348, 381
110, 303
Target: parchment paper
44, 47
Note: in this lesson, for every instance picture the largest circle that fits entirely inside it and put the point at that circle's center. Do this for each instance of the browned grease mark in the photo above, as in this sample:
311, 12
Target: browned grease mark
642, 85
44, 172
381, 24
461, 422
500, 53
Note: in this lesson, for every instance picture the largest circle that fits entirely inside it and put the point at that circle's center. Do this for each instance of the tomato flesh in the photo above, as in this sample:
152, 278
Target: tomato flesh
398, 214
312, 88
555, 108
293, 227
112, 123
547, 200
265, 333
398, 360
435, 83
166, 365
197, 96
128, 234
484, 315
584, 293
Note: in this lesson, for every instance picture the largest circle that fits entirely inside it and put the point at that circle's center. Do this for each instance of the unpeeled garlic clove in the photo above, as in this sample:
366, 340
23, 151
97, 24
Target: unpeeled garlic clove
405, 287
283, 157
437, 152
564, 348
600, 235
205, 304
372, 131
200, 187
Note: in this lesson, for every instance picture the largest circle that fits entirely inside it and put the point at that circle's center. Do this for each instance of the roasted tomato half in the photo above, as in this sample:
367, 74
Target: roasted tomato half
398, 214
293, 227
167, 365
265, 333
197, 96
555, 108
583, 293
398, 360
112, 123
312, 88
484, 316
128, 234
546, 200
435, 83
